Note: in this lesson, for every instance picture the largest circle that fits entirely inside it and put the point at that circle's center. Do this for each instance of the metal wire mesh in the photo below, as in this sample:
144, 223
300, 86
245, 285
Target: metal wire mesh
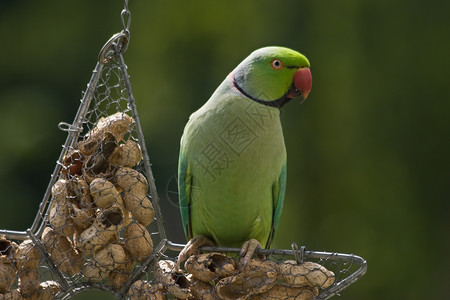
99, 225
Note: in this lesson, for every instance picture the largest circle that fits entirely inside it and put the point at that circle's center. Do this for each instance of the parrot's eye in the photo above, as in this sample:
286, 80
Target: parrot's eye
276, 64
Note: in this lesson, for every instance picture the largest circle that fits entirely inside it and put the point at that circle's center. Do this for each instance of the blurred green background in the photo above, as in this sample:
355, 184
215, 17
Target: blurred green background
368, 152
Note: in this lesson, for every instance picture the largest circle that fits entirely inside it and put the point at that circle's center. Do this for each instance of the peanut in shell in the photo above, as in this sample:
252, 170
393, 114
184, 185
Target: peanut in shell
59, 190
135, 187
173, 280
7, 269
104, 230
62, 251
211, 266
126, 155
138, 242
104, 193
29, 281
143, 290
81, 218
112, 257
201, 290
7, 274
59, 218
307, 273
118, 124
257, 277
27, 256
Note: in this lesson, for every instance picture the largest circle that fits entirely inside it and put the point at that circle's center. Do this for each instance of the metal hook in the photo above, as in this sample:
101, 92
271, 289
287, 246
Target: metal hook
117, 43
298, 254
68, 127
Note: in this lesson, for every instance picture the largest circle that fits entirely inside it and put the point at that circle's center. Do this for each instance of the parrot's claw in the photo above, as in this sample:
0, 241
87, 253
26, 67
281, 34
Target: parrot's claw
192, 247
248, 251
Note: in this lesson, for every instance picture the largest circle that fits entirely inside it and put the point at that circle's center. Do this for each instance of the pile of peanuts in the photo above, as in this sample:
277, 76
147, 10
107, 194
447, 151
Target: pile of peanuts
214, 276
100, 206
98, 217
22, 261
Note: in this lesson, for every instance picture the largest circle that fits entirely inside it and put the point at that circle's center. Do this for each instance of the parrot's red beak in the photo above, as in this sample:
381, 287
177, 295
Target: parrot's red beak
303, 82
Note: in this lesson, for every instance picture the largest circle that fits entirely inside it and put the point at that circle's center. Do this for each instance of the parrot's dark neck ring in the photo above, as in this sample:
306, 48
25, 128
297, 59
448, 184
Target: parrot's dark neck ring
273, 103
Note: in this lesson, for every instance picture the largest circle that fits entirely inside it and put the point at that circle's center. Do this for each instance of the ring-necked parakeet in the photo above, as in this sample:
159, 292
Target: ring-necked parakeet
232, 163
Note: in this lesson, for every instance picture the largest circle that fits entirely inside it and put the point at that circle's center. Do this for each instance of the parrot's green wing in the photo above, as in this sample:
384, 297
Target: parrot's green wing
184, 189
278, 189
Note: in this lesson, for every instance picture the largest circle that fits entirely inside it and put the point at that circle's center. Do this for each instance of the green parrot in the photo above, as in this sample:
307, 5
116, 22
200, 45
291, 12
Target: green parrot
232, 163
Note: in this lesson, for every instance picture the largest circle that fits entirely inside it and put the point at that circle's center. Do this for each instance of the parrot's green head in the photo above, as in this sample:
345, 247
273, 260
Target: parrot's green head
273, 76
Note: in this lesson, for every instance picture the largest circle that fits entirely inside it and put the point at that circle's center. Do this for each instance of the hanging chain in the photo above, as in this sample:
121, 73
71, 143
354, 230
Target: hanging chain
118, 43
126, 18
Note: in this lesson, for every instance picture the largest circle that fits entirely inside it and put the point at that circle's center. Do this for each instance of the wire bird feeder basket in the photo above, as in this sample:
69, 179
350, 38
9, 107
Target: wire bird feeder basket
99, 225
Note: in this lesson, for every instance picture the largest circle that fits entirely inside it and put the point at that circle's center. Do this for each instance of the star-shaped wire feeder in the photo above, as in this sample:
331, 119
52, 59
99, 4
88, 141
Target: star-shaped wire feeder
99, 225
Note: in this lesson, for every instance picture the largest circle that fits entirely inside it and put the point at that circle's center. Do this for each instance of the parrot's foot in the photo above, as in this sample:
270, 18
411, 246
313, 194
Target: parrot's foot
192, 247
248, 251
